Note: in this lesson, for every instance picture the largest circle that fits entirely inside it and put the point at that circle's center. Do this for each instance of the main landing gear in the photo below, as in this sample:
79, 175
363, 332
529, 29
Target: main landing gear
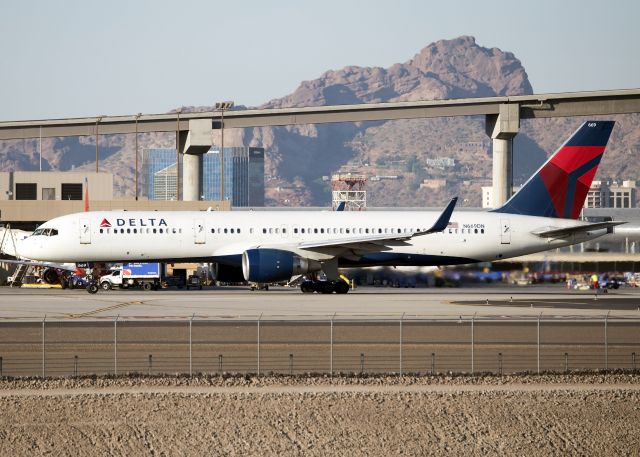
324, 287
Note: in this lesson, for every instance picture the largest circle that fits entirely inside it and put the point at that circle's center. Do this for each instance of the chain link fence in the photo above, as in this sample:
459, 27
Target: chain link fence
332, 345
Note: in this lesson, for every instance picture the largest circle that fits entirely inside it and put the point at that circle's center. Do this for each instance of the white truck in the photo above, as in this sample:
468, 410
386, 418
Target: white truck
145, 275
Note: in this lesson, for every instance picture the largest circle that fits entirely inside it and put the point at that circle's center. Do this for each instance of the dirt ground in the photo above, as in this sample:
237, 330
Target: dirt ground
519, 415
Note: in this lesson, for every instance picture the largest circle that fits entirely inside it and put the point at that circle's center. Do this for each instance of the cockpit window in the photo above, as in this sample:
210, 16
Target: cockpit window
45, 232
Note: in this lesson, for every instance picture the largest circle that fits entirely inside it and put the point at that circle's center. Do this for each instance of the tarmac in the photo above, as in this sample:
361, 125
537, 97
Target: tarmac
282, 302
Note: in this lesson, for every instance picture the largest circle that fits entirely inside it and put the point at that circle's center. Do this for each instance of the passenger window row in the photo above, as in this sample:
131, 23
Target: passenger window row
467, 231
226, 230
276, 230
357, 230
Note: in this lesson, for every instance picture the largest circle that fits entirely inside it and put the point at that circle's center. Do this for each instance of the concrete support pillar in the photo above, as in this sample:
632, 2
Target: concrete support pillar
191, 187
196, 143
502, 171
502, 128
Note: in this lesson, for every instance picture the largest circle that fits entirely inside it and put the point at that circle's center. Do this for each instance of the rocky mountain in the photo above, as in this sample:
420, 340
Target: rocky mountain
412, 162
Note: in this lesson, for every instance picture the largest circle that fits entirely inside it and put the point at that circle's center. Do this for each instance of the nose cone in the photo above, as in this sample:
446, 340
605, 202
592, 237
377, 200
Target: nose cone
26, 249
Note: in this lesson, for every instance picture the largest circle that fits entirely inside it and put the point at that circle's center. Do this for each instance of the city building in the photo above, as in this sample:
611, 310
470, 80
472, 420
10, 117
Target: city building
441, 163
601, 195
165, 183
243, 175
611, 195
159, 174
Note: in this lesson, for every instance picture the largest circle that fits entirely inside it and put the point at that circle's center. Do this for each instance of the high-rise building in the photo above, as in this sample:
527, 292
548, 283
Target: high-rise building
160, 165
165, 183
243, 175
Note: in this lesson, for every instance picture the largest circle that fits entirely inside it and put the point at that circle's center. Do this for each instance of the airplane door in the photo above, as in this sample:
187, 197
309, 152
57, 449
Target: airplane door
199, 234
85, 231
505, 231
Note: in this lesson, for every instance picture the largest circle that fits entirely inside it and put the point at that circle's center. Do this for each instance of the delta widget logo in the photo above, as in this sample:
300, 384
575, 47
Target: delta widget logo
105, 223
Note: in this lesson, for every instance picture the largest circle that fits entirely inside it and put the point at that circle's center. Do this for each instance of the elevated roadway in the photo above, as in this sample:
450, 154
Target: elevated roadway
193, 130
592, 103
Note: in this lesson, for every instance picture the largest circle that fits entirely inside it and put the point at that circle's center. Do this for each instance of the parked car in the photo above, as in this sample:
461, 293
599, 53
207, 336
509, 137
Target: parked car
173, 281
194, 282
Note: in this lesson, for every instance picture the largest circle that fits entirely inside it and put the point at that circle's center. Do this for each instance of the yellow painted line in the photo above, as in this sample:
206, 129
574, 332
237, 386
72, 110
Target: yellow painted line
41, 286
104, 309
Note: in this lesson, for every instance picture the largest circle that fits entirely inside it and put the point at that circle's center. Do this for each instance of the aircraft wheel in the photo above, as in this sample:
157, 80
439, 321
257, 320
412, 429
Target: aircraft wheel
325, 287
307, 287
106, 285
92, 288
341, 287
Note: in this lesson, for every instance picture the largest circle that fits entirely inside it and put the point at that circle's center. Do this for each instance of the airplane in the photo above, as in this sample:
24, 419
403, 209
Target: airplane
268, 247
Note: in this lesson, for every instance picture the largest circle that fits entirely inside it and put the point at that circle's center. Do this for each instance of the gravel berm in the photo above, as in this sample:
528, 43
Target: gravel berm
578, 414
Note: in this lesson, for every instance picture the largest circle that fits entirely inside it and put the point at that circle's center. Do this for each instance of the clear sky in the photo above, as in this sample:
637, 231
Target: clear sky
71, 58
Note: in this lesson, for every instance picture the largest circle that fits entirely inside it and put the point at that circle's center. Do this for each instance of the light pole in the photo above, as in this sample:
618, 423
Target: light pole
222, 107
97, 139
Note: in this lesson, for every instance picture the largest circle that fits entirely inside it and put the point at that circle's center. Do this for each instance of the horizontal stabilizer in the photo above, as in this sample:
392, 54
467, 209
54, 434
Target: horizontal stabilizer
563, 232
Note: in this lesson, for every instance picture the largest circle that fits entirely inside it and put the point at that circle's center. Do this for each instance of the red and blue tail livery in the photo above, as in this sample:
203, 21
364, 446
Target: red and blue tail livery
559, 188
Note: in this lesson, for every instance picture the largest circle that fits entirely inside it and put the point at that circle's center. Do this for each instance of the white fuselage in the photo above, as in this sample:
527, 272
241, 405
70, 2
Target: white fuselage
116, 236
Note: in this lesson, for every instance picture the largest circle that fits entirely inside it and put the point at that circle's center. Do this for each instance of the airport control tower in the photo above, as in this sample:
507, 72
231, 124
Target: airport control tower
349, 188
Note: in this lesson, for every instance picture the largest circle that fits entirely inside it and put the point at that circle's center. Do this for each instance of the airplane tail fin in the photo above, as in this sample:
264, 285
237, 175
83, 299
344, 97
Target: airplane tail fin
560, 186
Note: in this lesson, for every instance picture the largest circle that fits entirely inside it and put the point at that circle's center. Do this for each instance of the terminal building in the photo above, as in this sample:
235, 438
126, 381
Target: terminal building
243, 175
29, 198
69, 185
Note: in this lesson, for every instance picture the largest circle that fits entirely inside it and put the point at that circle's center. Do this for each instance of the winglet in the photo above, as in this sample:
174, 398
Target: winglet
443, 220
341, 206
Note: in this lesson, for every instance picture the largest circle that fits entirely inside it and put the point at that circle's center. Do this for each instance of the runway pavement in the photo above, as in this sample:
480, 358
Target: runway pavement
286, 302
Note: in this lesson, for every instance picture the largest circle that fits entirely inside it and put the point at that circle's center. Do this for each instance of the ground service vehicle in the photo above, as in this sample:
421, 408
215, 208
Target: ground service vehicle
141, 274
194, 282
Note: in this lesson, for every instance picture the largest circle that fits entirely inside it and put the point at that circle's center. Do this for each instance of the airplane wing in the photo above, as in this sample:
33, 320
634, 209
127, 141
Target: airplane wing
376, 243
567, 231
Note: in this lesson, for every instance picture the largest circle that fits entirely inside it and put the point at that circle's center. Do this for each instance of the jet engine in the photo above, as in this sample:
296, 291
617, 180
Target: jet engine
274, 265
50, 276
